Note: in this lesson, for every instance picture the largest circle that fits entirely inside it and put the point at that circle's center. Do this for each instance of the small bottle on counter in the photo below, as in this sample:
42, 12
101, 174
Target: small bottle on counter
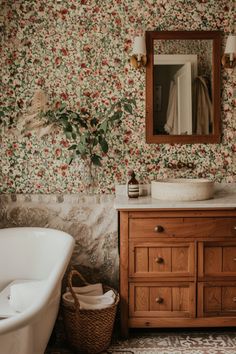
133, 186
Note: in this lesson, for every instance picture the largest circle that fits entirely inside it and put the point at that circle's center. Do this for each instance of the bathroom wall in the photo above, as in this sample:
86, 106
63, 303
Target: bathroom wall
77, 52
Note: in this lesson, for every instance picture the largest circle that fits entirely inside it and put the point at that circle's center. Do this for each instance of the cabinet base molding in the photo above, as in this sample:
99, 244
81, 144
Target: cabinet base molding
182, 322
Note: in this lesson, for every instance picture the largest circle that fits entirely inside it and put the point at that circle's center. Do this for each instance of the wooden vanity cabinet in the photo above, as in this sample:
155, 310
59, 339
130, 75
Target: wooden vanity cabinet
177, 268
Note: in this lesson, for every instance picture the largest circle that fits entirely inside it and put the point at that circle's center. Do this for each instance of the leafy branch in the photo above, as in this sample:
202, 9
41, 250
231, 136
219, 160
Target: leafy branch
89, 132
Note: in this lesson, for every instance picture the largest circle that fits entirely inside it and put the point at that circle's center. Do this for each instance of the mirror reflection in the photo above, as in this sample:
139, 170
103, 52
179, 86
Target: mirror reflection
182, 87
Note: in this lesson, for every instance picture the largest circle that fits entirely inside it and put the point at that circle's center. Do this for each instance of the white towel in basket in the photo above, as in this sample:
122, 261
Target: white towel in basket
90, 290
87, 302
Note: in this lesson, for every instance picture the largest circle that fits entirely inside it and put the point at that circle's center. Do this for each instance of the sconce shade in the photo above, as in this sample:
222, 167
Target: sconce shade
230, 44
139, 46
229, 58
138, 58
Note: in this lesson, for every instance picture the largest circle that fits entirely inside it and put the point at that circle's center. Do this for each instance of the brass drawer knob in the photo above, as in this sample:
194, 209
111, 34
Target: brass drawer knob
159, 300
159, 228
159, 260
234, 299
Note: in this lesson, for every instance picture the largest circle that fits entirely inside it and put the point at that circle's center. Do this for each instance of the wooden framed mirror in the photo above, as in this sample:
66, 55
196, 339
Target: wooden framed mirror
183, 87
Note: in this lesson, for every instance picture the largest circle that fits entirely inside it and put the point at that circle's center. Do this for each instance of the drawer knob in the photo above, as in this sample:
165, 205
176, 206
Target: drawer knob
234, 299
234, 227
159, 300
159, 260
159, 228
234, 259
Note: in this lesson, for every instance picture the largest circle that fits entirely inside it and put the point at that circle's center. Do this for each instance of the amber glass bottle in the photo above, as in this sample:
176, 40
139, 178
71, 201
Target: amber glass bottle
133, 186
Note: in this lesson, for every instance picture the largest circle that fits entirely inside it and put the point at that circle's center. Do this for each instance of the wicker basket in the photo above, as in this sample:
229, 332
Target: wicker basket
88, 331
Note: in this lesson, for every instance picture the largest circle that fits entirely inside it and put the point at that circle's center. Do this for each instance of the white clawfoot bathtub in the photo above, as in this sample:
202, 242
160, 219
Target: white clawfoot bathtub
32, 253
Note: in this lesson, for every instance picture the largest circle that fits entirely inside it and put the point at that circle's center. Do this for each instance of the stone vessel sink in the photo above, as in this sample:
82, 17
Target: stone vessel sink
182, 189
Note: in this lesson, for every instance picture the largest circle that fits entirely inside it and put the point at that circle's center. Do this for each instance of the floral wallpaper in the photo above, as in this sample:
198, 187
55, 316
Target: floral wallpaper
77, 52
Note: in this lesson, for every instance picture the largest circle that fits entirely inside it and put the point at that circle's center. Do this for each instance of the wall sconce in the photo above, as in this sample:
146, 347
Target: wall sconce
138, 58
229, 57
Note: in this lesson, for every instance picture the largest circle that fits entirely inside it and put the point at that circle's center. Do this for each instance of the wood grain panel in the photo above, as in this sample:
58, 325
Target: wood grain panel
217, 259
182, 227
141, 298
181, 299
183, 213
124, 264
182, 322
229, 298
229, 259
217, 299
180, 259
141, 259
146, 227
212, 299
212, 259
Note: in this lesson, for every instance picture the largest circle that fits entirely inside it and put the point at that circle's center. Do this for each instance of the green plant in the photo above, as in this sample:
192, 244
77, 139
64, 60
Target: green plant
89, 131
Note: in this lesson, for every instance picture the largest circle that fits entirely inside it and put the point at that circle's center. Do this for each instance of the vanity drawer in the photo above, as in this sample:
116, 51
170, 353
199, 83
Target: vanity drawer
152, 259
216, 299
216, 259
182, 227
162, 299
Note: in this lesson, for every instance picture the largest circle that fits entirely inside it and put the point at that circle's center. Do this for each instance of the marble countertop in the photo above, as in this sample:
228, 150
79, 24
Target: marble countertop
224, 197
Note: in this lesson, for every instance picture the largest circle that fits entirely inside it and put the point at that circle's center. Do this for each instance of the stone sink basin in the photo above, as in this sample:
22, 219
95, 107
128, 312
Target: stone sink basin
182, 189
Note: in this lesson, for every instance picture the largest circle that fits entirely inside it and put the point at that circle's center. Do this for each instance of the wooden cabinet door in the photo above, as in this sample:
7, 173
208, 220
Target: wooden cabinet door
152, 259
167, 299
216, 259
216, 299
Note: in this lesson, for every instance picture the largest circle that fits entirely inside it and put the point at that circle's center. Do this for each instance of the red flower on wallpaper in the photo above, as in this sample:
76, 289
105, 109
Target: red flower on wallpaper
58, 152
58, 61
64, 143
64, 51
63, 11
64, 96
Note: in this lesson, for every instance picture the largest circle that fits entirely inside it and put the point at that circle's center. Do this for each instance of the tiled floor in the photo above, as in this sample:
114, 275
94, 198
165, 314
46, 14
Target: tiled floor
218, 341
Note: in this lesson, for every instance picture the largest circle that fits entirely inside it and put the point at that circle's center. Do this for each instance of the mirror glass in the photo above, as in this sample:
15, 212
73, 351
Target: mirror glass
183, 85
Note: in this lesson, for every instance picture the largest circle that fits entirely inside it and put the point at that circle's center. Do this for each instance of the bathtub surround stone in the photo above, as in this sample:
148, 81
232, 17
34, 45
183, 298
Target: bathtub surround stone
91, 220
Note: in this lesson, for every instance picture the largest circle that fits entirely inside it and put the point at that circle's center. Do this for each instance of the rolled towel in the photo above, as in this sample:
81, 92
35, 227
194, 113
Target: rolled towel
91, 302
23, 295
90, 290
